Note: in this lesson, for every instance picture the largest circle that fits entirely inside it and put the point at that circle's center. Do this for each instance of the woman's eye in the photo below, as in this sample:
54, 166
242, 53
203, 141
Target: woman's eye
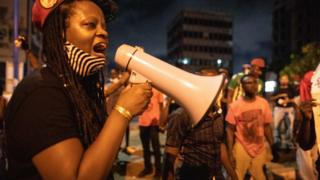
91, 24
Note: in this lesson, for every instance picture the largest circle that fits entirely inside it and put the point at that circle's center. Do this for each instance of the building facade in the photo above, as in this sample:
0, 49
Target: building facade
8, 11
200, 39
295, 24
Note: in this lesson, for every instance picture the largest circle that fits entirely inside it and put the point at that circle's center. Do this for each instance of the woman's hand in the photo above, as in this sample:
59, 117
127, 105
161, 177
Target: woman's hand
135, 98
124, 78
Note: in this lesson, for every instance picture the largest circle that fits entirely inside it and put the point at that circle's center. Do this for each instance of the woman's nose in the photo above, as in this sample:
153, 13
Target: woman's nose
102, 33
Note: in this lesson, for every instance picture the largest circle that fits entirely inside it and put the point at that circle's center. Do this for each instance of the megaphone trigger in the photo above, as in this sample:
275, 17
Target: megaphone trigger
136, 78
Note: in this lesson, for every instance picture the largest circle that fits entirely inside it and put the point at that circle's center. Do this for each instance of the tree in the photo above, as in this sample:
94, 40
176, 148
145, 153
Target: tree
304, 62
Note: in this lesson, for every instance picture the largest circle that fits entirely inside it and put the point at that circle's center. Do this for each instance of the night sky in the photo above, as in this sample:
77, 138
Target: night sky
144, 23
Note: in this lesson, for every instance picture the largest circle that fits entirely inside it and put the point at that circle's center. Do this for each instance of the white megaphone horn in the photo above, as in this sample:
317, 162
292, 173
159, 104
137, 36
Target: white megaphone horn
193, 92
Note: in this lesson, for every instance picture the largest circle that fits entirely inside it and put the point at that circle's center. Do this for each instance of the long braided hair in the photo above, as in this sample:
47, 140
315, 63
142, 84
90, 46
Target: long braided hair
86, 94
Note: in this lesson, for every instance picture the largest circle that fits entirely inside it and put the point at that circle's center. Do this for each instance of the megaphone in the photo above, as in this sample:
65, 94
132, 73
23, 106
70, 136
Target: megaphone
193, 92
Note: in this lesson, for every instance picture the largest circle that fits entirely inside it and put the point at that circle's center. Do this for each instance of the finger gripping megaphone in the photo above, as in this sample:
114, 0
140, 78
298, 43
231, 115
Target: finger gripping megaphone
193, 92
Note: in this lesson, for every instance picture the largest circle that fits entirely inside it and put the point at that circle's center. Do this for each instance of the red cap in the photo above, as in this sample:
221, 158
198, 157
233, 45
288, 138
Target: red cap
246, 66
258, 62
41, 9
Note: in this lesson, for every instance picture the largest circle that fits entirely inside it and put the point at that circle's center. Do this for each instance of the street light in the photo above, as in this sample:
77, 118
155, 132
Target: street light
185, 61
219, 62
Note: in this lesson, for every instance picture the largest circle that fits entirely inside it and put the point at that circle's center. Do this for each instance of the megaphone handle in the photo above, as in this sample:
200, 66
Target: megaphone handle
136, 78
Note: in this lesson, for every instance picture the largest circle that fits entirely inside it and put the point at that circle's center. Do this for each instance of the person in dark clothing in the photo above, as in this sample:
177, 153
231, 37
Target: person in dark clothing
196, 151
199, 151
56, 125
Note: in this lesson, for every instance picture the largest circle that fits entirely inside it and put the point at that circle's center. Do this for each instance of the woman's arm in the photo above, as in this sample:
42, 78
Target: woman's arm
68, 159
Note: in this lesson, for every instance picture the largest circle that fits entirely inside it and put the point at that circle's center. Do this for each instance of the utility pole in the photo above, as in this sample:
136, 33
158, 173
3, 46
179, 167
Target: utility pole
15, 36
29, 30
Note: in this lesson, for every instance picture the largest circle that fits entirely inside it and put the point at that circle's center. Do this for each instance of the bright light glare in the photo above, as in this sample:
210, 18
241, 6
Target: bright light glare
270, 86
185, 61
219, 61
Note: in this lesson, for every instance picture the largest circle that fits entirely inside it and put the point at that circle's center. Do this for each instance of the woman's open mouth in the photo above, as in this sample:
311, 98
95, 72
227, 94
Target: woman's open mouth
100, 49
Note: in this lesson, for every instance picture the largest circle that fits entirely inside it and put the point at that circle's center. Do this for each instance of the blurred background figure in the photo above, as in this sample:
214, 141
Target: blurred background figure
283, 113
22, 42
246, 68
196, 151
234, 87
248, 128
308, 164
149, 132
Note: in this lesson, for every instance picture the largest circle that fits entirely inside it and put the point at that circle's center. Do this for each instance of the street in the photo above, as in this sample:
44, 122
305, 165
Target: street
129, 165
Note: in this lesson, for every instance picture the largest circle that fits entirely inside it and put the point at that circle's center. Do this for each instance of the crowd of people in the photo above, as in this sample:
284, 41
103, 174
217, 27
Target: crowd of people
63, 122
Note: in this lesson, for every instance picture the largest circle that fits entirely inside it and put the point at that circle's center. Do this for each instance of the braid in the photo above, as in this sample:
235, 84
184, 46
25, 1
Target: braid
86, 97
